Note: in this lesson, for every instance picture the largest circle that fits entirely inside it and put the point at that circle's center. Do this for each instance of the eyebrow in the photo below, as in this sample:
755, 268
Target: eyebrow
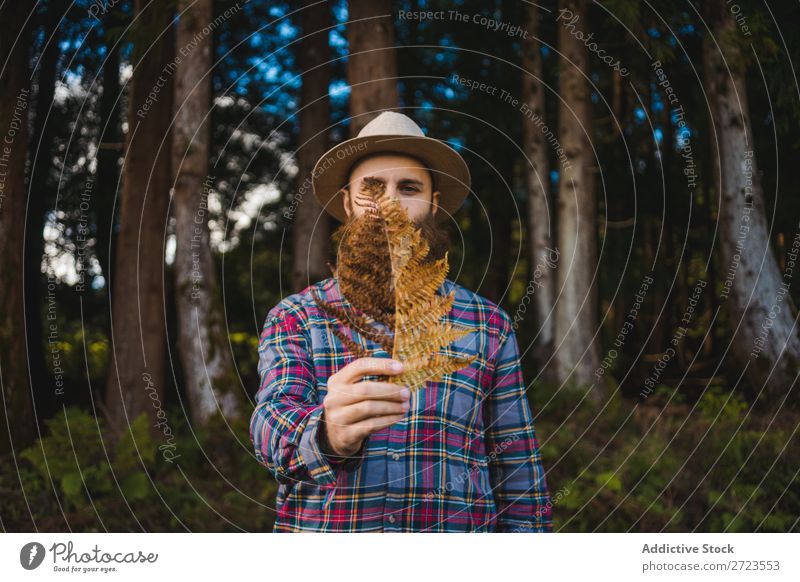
401, 181
411, 181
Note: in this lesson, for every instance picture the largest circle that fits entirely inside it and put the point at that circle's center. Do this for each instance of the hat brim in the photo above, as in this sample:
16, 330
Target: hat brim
450, 171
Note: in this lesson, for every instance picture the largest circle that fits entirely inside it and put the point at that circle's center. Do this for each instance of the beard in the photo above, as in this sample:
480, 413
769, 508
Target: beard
436, 235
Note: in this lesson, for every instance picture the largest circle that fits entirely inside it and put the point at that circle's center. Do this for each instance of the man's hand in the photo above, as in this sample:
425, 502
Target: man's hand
354, 409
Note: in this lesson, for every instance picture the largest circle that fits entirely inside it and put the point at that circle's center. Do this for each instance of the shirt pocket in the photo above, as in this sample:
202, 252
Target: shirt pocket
469, 470
472, 344
464, 389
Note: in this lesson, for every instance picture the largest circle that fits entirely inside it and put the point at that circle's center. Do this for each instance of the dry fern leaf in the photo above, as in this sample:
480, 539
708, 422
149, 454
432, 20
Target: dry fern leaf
383, 273
364, 267
357, 322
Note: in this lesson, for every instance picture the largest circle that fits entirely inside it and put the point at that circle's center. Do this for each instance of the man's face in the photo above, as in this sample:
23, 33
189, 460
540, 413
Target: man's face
405, 178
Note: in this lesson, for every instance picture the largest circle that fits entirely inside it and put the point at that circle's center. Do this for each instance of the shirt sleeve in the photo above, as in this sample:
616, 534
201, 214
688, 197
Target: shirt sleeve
286, 423
515, 465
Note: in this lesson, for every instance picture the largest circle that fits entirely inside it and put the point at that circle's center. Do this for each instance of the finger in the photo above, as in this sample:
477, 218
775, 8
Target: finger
374, 390
366, 409
370, 425
361, 367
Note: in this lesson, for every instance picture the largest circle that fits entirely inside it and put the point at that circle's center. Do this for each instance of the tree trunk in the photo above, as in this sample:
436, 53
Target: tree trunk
756, 292
108, 152
211, 382
543, 257
710, 213
575, 323
15, 42
138, 339
41, 153
312, 226
372, 66
501, 218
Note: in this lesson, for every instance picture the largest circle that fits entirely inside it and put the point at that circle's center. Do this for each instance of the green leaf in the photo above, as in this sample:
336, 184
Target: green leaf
71, 484
610, 480
136, 486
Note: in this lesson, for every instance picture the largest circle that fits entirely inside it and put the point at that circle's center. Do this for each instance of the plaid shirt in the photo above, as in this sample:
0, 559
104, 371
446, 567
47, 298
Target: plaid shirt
464, 458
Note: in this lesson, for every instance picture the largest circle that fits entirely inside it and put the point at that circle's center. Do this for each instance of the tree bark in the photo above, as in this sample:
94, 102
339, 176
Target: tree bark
136, 372
108, 153
41, 152
543, 257
372, 65
211, 381
15, 42
501, 220
756, 292
312, 226
575, 326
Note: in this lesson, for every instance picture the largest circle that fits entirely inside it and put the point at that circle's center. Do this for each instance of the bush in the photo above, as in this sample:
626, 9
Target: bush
79, 478
664, 464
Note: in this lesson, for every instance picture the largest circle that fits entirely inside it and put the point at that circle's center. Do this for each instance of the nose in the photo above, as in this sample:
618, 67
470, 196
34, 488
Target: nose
391, 189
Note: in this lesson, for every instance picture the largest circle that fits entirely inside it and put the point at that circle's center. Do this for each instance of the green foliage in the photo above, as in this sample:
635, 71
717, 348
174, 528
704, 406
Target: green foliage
75, 458
715, 403
661, 464
245, 351
82, 475
668, 464
81, 349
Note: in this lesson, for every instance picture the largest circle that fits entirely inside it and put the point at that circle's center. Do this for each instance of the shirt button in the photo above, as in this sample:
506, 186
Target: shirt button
395, 456
392, 519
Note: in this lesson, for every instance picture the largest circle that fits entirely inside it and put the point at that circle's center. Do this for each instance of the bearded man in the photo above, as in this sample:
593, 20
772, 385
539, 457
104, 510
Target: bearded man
354, 454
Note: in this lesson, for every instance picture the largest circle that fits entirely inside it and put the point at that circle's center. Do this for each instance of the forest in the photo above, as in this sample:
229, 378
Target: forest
632, 209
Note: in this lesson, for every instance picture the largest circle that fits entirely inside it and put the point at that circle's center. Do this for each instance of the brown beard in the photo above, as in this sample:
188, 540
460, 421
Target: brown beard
438, 237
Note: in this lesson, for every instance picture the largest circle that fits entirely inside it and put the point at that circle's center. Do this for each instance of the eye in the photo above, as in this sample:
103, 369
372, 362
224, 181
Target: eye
409, 188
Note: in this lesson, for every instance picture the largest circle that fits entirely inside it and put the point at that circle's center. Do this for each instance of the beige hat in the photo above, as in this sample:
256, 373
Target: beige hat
395, 133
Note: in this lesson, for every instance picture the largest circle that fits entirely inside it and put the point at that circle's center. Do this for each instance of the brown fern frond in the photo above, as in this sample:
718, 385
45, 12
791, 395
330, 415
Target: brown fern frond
356, 321
417, 372
428, 313
426, 340
351, 345
419, 287
387, 319
364, 267
385, 275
